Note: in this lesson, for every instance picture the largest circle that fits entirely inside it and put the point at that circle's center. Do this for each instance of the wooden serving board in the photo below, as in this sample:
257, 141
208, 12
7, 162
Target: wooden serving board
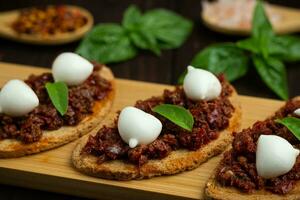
53, 171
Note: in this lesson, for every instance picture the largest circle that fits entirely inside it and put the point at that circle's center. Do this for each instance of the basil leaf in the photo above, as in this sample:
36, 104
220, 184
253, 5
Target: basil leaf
262, 30
145, 40
224, 58
260, 22
176, 114
249, 44
131, 19
286, 48
292, 123
107, 43
158, 29
155, 30
140, 37
272, 72
169, 28
58, 93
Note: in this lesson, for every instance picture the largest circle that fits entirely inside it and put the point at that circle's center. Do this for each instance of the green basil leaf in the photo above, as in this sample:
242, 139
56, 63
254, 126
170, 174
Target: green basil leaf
158, 29
155, 30
249, 44
139, 36
145, 40
272, 72
286, 48
292, 123
58, 93
224, 58
107, 43
260, 22
176, 114
169, 28
262, 30
131, 19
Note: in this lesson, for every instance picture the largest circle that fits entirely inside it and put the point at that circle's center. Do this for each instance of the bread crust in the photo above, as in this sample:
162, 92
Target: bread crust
178, 161
50, 139
217, 191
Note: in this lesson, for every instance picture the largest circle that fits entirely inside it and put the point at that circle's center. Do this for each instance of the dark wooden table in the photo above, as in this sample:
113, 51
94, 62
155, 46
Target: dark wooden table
146, 66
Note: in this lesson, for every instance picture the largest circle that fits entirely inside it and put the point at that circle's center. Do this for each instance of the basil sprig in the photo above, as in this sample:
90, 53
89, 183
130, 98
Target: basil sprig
176, 114
154, 30
58, 93
264, 48
107, 43
292, 123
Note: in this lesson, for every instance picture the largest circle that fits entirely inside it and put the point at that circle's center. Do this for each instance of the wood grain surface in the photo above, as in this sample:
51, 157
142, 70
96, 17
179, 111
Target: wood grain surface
53, 171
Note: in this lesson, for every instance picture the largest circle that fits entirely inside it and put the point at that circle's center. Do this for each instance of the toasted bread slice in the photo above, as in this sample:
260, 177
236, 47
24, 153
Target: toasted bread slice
51, 139
217, 191
177, 161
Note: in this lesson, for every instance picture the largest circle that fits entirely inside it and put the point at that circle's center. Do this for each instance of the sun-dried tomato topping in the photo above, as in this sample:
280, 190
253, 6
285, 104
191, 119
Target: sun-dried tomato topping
210, 118
238, 169
29, 128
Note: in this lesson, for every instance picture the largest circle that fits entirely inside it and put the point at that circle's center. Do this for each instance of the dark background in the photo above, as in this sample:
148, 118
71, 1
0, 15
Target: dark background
146, 66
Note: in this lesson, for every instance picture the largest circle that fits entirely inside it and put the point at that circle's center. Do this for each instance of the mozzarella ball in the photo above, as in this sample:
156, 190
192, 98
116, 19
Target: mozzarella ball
275, 156
138, 127
17, 98
200, 84
71, 69
297, 112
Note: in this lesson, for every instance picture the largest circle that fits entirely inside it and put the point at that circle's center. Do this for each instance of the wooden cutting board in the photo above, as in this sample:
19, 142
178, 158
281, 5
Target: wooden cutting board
53, 171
